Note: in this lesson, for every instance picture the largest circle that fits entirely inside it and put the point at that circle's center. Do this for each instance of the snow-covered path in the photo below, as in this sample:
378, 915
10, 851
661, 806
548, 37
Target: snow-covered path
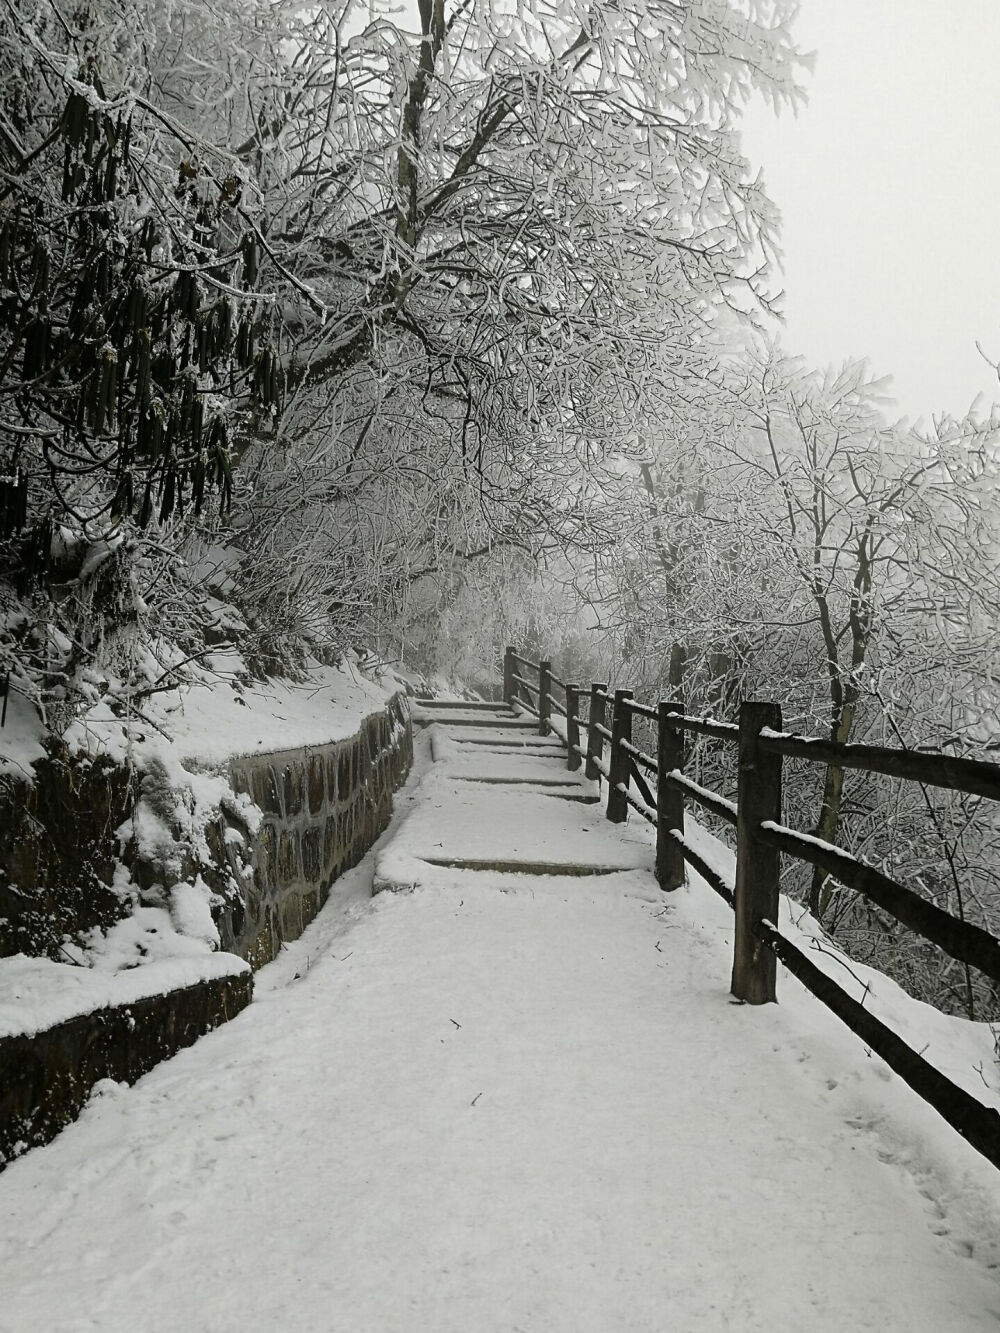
478, 1107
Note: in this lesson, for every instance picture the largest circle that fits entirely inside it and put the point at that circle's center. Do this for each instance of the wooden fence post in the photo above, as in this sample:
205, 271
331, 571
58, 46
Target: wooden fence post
573, 760
619, 763
669, 801
595, 741
544, 689
508, 676
758, 868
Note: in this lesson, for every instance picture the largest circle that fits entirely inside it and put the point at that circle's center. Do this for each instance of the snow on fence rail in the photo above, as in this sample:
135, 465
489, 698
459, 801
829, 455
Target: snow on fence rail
761, 840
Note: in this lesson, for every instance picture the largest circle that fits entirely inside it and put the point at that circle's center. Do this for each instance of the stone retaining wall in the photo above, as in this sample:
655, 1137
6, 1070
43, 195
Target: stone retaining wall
323, 808
46, 1078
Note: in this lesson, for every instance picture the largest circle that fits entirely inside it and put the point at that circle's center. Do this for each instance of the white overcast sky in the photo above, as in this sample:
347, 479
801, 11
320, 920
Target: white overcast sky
889, 188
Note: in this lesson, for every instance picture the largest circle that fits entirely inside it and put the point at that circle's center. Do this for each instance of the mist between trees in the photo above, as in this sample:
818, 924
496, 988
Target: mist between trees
330, 327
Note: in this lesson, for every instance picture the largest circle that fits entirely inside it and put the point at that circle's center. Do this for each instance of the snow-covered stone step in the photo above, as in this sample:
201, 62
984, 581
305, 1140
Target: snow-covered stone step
466, 705
548, 744
497, 750
395, 872
522, 757
502, 721
553, 787
511, 765
513, 866
544, 771
467, 825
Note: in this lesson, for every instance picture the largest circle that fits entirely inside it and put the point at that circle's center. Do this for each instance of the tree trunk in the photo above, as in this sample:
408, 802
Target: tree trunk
820, 891
678, 662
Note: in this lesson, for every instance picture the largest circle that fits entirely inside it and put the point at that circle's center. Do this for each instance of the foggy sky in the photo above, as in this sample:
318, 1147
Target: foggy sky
889, 186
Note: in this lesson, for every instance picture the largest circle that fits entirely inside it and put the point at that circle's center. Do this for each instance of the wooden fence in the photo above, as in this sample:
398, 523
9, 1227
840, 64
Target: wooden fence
598, 737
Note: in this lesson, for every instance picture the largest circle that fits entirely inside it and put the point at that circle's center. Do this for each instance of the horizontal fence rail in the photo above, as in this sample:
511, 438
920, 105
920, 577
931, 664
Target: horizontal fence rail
978, 1124
524, 661
526, 685
961, 939
598, 738
709, 800
936, 770
641, 710
706, 726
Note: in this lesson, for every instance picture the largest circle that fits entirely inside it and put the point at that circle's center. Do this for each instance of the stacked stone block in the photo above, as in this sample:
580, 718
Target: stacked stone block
322, 807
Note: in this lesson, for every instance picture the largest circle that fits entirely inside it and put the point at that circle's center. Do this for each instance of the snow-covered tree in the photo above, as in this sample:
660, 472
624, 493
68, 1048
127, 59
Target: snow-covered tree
810, 551
327, 264
135, 338
529, 217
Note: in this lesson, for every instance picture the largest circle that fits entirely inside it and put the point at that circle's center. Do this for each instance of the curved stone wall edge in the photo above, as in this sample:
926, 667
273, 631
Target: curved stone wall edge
322, 807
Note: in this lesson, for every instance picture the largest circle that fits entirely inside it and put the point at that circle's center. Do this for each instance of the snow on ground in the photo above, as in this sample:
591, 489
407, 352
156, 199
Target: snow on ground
36, 993
208, 721
215, 712
507, 1102
152, 950
464, 820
